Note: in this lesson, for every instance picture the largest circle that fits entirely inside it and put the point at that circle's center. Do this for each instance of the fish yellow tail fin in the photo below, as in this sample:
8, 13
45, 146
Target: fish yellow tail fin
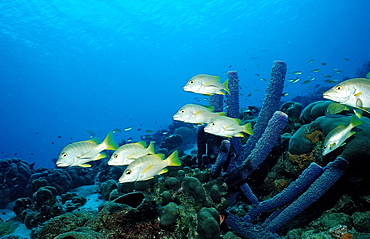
355, 121
109, 142
173, 159
151, 148
248, 129
226, 86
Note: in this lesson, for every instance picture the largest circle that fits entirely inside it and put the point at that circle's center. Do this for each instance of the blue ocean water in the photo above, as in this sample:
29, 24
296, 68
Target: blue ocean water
71, 66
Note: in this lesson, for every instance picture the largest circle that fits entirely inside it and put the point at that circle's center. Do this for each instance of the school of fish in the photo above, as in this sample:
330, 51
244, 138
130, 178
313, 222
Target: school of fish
143, 163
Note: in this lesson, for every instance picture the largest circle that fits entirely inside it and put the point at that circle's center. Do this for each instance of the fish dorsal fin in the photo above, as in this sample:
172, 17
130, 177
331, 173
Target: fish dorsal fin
109, 142
93, 141
211, 108
217, 78
147, 168
151, 148
221, 113
141, 143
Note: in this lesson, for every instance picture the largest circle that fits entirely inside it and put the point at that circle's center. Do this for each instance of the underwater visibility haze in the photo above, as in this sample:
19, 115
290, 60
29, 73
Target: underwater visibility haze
120, 71
72, 66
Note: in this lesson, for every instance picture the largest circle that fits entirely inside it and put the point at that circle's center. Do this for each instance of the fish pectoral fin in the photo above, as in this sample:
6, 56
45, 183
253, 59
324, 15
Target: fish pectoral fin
147, 168
239, 135
351, 133
85, 165
344, 143
165, 170
148, 178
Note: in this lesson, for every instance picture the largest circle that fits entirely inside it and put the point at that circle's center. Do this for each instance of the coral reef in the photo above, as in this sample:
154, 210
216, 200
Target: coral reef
14, 175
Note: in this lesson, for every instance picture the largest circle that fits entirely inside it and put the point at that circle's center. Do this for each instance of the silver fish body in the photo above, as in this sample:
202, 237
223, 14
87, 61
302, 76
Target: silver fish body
206, 85
148, 166
127, 153
196, 114
354, 92
228, 127
339, 135
80, 153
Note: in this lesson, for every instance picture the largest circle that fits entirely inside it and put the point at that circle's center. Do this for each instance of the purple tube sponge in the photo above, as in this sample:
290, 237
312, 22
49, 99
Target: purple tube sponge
221, 158
232, 108
263, 147
332, 172
289, 193
232, 99
270, 105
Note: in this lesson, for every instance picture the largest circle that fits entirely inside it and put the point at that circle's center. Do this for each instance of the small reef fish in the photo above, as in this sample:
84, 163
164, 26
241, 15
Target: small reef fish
324, 64
196, 114
296, 73
127, 153
148, 166
294, 80
306, 81
207, 85
228, 127
82, 152
353, 92
338, 135
335, 108
345, 59
310, 61
316, 70
127, 128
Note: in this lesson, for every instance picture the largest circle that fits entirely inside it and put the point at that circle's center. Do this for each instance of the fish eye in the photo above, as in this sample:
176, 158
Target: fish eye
182, 111
191, 82
212, 124
338, 88
115, 156
64, 155
128, 172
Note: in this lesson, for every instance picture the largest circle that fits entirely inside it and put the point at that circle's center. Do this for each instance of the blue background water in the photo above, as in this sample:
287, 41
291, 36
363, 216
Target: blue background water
70, 66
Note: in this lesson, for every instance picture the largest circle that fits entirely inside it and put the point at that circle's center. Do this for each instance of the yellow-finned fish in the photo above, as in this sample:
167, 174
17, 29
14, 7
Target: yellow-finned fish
82, 152
228, 127
196, 114
338, 135
335, 108
127, 153
354, 92
148, 166
207, 85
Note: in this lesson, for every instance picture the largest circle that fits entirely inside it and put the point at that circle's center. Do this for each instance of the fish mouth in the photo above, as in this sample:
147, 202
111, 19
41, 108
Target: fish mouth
61, 165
